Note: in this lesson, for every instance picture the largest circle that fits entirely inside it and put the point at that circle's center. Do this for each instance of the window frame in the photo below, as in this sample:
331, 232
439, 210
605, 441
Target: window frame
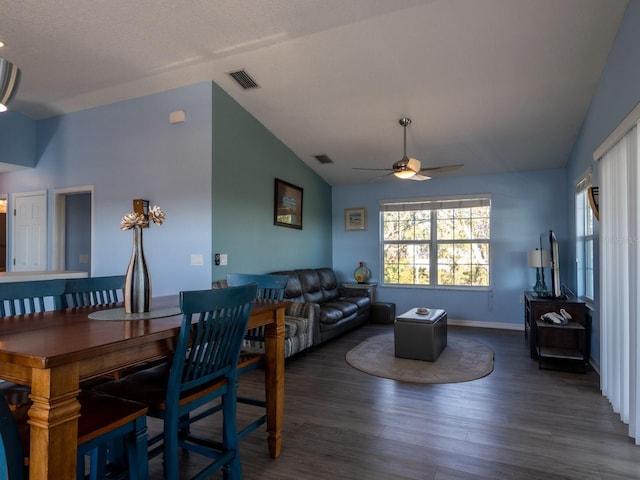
585, 236
433, 204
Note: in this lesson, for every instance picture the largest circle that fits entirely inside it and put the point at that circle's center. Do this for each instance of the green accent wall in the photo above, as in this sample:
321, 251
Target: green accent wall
246, 159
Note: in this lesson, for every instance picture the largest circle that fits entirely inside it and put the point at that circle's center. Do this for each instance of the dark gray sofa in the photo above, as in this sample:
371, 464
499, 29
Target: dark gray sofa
338, 309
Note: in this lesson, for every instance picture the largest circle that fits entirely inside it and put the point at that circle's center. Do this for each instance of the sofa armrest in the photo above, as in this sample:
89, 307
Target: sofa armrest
308, 310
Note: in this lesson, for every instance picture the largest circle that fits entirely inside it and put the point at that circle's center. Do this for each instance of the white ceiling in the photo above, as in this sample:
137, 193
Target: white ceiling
497, 85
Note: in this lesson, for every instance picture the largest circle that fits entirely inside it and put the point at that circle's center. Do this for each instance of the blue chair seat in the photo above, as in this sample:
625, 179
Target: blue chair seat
104, 423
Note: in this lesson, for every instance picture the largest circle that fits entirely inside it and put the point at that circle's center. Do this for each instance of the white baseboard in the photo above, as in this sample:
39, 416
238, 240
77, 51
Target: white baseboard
595, 365
471, 323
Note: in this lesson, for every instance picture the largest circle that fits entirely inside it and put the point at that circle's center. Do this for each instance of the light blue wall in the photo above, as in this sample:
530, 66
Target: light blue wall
129, 150
523, 206
618, 92
17, 139
246, 159
213, 175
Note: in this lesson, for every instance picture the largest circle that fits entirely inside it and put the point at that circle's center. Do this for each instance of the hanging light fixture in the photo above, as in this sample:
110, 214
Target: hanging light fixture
9, 82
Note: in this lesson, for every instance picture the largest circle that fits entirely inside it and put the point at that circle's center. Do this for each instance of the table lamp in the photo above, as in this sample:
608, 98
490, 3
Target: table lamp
539, 259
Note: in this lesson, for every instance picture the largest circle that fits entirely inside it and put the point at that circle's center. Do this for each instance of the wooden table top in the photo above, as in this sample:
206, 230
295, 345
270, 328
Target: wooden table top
49, 339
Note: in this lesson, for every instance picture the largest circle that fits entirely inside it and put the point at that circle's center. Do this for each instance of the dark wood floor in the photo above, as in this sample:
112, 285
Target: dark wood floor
518, 423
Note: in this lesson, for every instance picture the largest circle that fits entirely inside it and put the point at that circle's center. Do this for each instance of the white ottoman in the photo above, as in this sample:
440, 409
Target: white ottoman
420, 336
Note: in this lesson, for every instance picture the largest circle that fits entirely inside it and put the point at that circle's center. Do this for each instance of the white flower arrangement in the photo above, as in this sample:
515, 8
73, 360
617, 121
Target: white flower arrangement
133, 219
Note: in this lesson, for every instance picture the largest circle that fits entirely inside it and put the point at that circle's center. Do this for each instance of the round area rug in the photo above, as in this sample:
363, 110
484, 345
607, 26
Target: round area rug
463, 359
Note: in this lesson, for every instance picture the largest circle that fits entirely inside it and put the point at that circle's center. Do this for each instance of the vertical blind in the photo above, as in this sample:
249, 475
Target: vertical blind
619, 279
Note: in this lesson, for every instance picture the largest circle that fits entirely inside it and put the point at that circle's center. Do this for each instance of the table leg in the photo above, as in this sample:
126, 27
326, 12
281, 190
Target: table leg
274, 381
54, 422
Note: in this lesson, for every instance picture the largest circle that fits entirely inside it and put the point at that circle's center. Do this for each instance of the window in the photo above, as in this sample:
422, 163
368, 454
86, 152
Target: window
436, 242
584, 239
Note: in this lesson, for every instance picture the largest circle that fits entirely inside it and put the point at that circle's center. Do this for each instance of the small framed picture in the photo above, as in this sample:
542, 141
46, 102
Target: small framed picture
355, 218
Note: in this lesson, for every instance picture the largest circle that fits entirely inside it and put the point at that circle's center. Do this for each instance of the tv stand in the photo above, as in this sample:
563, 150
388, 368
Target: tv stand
572, 343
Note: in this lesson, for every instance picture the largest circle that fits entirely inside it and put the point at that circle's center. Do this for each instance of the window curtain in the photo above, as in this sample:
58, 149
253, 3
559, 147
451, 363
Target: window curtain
619, 272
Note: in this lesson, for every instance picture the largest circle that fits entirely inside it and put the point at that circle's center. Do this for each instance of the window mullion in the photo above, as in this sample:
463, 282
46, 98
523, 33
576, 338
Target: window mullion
433, 250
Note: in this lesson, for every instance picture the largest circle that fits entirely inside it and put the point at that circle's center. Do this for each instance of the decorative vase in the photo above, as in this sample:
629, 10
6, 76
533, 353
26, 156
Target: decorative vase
137, 282
362, 274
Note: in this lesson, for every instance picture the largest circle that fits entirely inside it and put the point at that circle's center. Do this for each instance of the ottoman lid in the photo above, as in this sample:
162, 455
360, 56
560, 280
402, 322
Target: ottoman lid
412, 316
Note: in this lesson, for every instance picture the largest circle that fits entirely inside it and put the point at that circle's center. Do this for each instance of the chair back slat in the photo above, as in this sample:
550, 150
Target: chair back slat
213, 326
270, 287
19, 298
11, 455
92, 291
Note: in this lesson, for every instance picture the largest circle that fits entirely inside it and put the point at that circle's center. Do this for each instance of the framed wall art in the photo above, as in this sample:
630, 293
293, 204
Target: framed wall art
355, 218
287, 208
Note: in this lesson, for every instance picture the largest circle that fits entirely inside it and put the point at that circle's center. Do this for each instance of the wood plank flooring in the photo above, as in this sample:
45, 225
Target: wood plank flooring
517, 423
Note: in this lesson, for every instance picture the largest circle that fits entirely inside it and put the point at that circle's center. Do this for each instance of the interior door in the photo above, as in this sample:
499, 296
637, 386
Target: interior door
29, 243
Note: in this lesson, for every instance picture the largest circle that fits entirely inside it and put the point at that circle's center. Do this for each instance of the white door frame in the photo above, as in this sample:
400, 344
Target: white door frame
59, 222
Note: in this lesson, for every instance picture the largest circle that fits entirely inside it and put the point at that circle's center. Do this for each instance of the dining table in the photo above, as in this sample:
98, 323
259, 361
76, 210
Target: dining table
54, 351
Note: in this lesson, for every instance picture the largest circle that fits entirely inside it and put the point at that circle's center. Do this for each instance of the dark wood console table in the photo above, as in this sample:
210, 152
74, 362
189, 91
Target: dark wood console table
553, 342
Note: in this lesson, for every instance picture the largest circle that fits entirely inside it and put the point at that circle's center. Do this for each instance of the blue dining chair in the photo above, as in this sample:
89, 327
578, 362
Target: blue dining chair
104, 420
203, 369
92, 291
270, 287
19, 298
11, 456
35, 296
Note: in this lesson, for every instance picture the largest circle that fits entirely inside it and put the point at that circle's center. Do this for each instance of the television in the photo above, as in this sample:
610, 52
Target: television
549, 242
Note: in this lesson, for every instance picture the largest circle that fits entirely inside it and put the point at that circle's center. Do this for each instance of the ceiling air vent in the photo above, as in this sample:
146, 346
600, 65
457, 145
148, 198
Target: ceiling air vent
323, 158
243, 79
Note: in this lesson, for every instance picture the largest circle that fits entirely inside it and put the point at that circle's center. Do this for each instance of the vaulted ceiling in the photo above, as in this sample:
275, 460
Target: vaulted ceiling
496, 85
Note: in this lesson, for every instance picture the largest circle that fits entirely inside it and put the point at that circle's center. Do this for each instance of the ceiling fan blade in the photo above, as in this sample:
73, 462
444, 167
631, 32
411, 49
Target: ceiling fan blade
419, 177
374, 169
446, 168
380, 176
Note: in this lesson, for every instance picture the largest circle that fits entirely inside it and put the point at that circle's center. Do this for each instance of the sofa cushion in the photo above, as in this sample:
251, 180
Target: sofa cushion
311, 288
330, 315
347, 308
361, 302
328, 283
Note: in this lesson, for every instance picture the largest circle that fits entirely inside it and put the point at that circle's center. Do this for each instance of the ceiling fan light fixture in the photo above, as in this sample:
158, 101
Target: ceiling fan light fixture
9, 83
406, 168
404, 174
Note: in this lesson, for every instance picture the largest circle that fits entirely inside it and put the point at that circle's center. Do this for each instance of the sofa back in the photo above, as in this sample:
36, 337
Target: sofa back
328, 283
310, 285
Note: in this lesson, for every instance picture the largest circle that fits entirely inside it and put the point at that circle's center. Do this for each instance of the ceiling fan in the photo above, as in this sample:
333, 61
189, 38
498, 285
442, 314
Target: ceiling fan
410, 168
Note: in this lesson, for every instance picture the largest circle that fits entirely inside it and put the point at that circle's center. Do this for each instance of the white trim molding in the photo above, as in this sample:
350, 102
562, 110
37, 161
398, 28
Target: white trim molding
620, 131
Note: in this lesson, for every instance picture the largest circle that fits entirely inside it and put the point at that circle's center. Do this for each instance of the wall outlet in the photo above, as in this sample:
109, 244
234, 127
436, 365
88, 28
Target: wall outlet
223, 259
197, 259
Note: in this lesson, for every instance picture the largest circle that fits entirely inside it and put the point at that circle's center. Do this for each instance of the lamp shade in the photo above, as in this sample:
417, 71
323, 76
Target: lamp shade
538, 258
9, 82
